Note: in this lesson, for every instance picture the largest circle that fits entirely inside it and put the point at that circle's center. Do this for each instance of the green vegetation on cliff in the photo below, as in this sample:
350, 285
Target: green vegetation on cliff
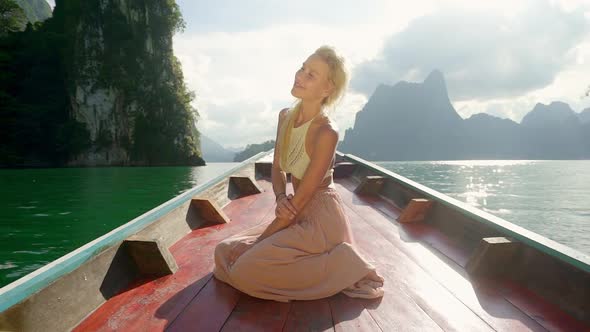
253, 149
34, 125
97, 81
12, 17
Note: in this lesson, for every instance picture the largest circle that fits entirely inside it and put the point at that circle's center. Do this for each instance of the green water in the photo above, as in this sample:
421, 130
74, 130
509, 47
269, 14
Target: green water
46, 213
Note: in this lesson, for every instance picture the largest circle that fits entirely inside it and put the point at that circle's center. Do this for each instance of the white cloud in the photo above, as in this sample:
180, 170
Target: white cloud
242, 78
483, 54
568, 86
245, 78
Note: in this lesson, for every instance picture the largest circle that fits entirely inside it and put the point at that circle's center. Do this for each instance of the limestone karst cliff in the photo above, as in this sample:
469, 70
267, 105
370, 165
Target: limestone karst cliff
103, 88
126, 85
417, 121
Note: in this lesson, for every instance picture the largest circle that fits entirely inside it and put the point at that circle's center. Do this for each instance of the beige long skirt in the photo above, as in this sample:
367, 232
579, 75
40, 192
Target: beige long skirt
313, 258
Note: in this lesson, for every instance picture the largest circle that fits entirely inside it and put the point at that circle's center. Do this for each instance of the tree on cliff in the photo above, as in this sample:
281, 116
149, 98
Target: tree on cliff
97, 82
12, 17
35, 128
253, 149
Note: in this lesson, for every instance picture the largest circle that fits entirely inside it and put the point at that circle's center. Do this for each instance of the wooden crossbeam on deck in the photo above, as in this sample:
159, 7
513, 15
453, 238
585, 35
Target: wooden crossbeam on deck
263, 168
370, 185
493, 257
150, 256
245, 185
415, 211
343, 169
209, 211
434, 294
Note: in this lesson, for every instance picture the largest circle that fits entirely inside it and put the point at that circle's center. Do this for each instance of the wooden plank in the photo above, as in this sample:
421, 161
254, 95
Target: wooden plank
551, 247
209, 310
160, 302
247, 219
445, 247
254, 314
413, 300
116, 313
309, 315
104, 320
153, 305
549, 315
350, 315
438, 241
44, 277
258, 211
130, 308
486, 303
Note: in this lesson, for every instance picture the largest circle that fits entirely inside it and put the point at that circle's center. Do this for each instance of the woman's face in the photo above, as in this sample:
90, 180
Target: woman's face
311, 80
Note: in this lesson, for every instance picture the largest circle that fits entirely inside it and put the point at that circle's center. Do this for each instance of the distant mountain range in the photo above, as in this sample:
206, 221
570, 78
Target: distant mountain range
416, 121
253, 149
215, 152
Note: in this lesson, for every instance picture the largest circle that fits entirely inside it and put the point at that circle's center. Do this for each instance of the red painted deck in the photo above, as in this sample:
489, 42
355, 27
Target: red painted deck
426, 286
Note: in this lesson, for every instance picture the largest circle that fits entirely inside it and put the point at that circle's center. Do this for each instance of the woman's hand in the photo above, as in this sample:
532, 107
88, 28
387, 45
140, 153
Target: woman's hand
240, 248
285, 209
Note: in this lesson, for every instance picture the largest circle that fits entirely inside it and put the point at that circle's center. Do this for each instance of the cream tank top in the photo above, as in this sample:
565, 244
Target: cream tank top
298, 159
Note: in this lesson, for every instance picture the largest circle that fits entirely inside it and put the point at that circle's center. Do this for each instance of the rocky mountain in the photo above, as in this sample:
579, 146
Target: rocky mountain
215, 152
253, 149
492, 137
416, 121
35, 10
126, 81
553, 131
584, 116
407, 121
97, 84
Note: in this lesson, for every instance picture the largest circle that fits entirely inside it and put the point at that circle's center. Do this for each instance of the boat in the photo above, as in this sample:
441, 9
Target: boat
447, 266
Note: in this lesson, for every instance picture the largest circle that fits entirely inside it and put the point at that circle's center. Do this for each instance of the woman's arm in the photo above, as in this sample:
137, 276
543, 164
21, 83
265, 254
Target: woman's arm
279, 185
278, 177
320, 162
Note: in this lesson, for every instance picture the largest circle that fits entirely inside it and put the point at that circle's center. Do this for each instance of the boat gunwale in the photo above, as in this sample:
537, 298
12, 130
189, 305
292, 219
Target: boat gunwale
26, 286
535, 240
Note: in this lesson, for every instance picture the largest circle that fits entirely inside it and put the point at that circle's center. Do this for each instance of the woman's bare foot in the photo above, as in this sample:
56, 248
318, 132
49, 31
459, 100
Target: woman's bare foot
369, 287
374, 276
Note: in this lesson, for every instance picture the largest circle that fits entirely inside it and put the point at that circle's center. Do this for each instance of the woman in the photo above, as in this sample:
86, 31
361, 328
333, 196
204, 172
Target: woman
307, 252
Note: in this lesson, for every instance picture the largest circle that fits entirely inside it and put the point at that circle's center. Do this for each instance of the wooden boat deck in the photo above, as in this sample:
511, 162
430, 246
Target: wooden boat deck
426, 284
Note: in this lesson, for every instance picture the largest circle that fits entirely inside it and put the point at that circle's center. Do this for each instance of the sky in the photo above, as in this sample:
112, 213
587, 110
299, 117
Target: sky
499, 57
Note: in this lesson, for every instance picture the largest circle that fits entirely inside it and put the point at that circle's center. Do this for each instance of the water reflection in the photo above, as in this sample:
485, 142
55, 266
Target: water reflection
549, 197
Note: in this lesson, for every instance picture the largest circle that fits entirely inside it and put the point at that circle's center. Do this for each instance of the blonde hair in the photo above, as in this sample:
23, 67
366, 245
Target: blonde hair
337, 75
